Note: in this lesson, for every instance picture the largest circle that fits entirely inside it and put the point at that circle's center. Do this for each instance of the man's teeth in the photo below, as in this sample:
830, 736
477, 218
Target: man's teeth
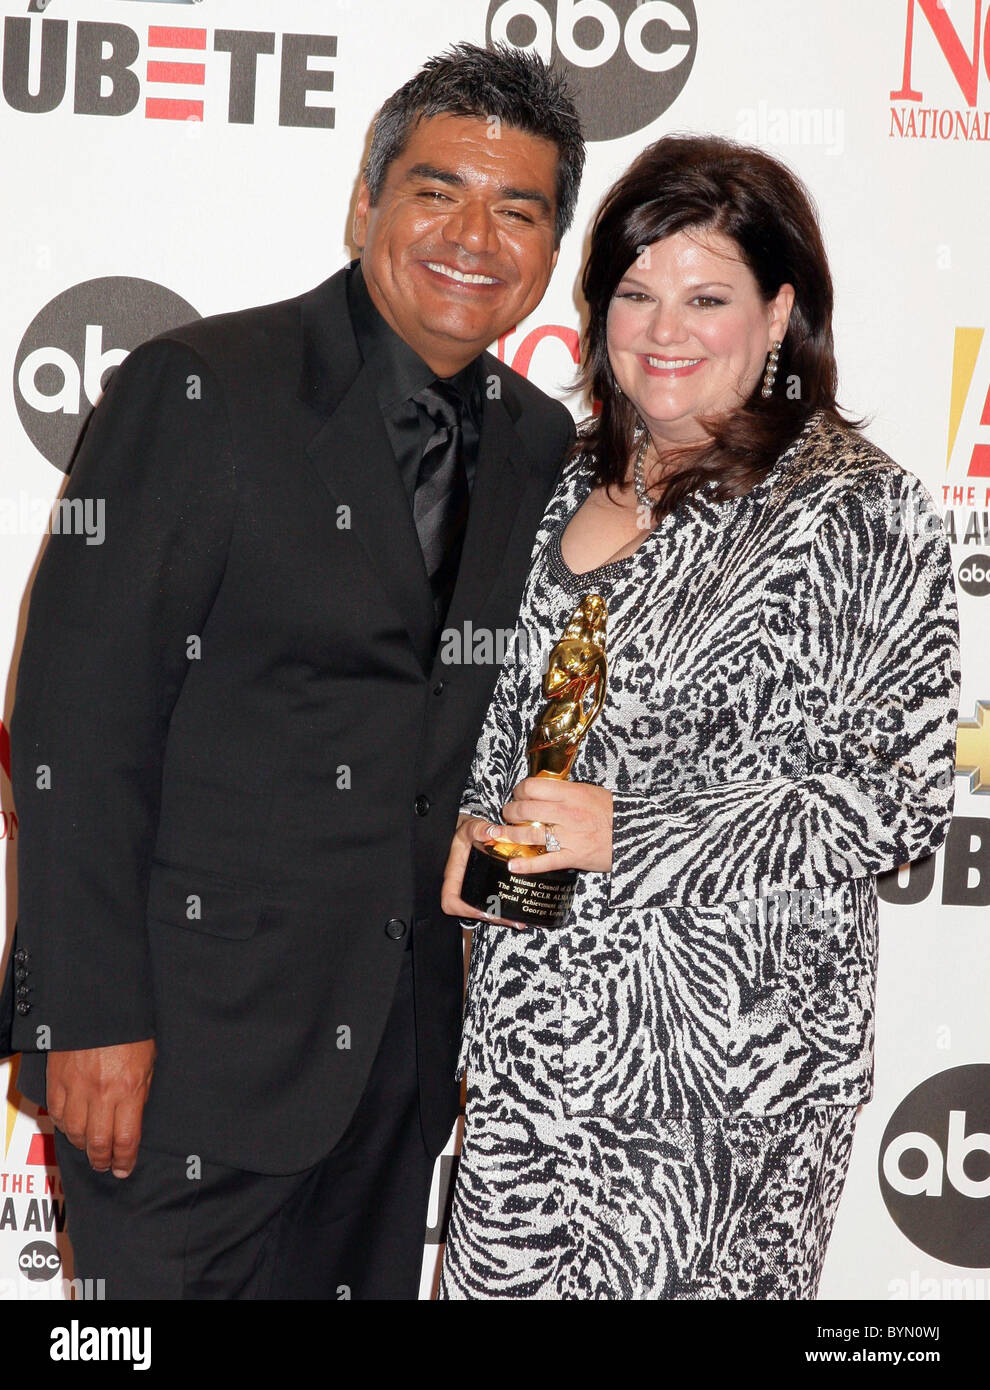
453, 274
671, 366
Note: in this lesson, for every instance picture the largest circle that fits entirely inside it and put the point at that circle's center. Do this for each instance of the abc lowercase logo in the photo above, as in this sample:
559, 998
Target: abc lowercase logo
71, 346
935, 1166
626, 61
974, 575
39, 1260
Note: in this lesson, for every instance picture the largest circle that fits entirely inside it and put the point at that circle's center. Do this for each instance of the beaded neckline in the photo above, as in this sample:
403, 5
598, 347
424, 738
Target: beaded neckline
614, 569
596, 578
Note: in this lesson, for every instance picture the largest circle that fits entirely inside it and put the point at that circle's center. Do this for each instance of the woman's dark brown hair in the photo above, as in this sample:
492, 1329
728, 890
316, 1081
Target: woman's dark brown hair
706, 184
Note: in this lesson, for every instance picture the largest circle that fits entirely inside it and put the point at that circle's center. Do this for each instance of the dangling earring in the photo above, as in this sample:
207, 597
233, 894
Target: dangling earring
771, 372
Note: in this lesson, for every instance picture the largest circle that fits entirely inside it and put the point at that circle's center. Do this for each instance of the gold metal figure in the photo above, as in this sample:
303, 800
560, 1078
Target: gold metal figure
574, 685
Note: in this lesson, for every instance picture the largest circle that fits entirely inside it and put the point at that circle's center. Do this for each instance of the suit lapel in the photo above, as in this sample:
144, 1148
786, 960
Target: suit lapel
499, 481
354, 459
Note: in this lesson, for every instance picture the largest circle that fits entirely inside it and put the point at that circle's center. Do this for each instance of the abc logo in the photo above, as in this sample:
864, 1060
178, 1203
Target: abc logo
935, 1166
39, 1260
626, 61
73, 344
974, 575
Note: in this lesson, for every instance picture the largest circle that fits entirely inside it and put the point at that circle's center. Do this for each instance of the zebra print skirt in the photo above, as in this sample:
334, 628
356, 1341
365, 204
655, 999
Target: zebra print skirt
721, 1207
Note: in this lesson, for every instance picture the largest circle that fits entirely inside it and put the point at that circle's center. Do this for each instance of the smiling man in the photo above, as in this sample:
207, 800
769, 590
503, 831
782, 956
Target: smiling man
460, 233
231, 977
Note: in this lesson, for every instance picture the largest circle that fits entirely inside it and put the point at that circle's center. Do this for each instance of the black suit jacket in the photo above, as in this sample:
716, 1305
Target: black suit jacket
236, 759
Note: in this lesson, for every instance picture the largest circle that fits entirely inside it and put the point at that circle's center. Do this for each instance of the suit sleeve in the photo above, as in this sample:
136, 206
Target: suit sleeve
105, 653
868, 642
568, 435
501, 733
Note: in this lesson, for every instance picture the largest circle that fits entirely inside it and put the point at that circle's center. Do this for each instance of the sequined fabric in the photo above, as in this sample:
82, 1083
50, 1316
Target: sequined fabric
662, 1093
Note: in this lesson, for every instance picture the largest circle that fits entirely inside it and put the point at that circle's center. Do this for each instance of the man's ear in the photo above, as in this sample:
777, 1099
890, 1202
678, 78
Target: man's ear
360, 226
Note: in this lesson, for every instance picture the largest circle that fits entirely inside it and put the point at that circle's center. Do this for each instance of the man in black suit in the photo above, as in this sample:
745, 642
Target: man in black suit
238, 749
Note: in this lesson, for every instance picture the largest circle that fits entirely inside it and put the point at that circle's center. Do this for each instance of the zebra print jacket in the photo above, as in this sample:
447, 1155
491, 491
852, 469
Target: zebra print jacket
779, 728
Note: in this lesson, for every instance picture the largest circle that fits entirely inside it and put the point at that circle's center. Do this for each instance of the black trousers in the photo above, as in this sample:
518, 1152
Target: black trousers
351, 1227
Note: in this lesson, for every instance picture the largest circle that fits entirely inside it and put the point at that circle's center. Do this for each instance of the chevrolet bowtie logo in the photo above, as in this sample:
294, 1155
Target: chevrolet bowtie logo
973, 748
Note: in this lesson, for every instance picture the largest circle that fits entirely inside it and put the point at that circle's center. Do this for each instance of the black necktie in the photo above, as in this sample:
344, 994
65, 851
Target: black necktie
440, 502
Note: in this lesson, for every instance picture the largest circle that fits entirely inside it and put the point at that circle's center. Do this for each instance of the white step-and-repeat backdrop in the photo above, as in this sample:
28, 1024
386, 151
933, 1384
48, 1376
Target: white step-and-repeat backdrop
166, 160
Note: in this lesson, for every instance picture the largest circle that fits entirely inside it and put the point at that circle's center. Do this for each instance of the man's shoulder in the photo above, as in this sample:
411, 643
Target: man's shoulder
528, 405
257, 340
218, 334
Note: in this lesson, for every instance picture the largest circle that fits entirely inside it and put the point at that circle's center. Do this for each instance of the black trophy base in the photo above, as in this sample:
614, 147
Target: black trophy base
539, 900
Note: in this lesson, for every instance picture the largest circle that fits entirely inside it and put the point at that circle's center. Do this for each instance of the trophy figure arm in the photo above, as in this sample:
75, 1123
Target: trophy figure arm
600, 688
583, 719
555, 726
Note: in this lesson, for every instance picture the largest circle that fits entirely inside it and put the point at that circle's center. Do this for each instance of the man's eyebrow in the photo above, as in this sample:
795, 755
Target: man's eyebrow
430, 171
527, 195
448, 176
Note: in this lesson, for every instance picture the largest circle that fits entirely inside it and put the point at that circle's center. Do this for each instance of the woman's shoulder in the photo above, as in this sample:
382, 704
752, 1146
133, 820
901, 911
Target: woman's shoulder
832, 454
584, 432
574, 481
833, 467
578, 470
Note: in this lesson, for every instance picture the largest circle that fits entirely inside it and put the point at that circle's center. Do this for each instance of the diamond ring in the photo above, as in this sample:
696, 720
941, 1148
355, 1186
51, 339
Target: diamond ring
550, 839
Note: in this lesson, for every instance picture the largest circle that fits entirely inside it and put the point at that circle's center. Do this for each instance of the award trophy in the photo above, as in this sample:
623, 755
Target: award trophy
574, 685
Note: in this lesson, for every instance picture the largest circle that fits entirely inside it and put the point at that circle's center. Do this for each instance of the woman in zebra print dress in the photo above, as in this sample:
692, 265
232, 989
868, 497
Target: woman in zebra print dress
662, 1093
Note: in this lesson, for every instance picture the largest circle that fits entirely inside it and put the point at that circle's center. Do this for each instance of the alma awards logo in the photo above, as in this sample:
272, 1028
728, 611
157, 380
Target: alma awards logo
935, 1166
627, 61
969, 402
74, 342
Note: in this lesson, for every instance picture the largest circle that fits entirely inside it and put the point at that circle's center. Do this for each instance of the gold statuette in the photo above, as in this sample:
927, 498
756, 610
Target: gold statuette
574, 686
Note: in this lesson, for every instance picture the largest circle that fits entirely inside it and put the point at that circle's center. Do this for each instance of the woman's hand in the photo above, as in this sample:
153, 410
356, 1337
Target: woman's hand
471, 830
579, 814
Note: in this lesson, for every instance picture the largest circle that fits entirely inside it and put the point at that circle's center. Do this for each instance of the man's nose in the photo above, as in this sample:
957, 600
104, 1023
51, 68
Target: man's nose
472, 227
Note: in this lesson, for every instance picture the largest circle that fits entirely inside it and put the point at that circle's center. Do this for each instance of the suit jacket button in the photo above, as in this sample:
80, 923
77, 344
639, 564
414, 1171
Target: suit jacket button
22, 1006
395, 928
422, 805
438, 688
22, 955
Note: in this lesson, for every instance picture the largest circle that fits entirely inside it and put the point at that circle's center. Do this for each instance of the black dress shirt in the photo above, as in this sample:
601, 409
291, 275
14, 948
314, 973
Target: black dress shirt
400, 372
